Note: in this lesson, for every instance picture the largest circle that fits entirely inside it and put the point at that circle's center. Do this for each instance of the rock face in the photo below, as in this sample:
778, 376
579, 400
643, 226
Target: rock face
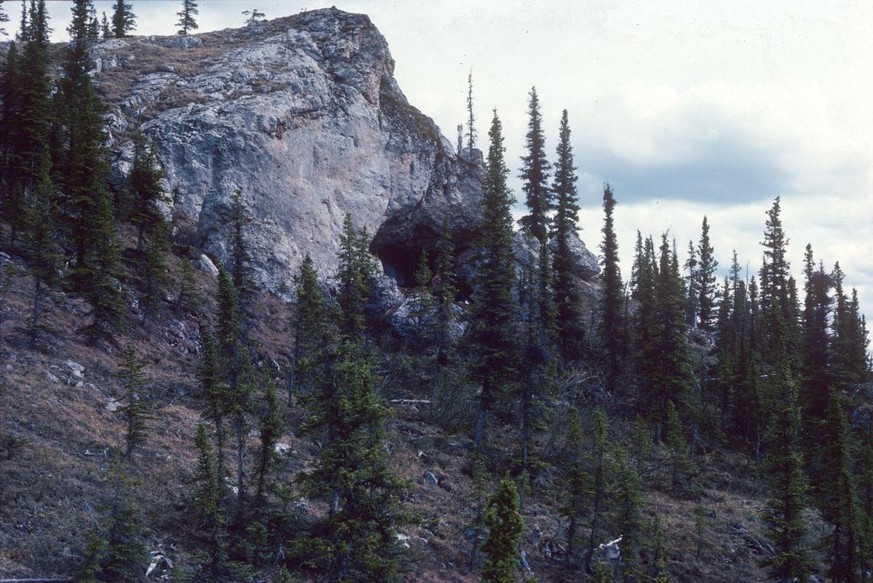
304, 117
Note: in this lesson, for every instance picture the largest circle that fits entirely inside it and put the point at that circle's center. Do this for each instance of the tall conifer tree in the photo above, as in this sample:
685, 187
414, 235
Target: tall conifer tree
310, 329
611, 325
493, 334
706, 278
786, 525
471, 120
42, 250
355, 279
568, 298
778, 315
535, 174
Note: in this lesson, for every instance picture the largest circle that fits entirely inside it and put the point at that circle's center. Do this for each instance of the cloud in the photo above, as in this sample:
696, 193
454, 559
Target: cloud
722, 143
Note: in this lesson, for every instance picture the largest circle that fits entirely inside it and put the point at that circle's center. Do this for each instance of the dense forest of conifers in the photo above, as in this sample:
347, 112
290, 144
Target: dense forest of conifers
749, 364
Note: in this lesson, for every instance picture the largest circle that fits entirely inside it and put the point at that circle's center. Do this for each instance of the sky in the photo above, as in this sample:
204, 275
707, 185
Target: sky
686, 108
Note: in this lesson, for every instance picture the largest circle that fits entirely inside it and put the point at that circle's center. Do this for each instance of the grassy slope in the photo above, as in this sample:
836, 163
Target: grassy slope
53, 478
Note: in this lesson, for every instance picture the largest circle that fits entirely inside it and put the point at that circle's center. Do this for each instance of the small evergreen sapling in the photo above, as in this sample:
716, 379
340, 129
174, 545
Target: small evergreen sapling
135, 410
504, 525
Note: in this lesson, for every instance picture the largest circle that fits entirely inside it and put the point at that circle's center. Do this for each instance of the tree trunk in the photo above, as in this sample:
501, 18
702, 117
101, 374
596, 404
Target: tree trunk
37, 305
240, 460
480, 426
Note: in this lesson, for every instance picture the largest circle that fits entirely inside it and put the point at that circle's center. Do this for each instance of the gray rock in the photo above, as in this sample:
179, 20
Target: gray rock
112, 405
585, 264
304, 116
206, 264
52, 377
411, 321
431, 479
76, 369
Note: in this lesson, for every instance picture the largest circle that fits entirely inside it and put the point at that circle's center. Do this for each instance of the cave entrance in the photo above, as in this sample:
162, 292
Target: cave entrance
401, 263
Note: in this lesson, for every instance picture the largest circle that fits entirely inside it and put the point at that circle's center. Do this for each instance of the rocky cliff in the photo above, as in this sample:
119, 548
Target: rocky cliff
304, 117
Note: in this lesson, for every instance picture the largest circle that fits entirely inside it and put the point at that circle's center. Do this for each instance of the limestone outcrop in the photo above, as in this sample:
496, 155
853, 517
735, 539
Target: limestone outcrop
303, 116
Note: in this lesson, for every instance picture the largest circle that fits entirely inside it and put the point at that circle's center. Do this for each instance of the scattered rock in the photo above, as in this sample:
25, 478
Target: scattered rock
76, 369
431, 479
206, 264
112, 405
52, 377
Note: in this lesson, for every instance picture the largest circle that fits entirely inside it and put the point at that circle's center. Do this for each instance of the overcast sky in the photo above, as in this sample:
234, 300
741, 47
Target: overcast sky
686, 108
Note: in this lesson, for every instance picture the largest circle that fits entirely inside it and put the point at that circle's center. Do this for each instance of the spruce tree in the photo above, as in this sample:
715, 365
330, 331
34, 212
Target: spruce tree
865, 501
212, 521
815, 355
665, 361
310, 330
706, 278
10, 94
691, 288
186, 22
783, 514
535, 174
98, 274
79, 26
471, 120
445, 294
44, 257
493, 334
568, 298
123, 19
125, 552
270, 432
539, 317
229, 333
3, 18
599, 476
352, 471
838, 500
28, 115
155, 273
576, 484
849, 335
645, 337
678, 448
86, 170
215, 393
628, 517
101, 270
611, 324
145, 190
105, 31
504, 534
355, 279
778, 321
135, 409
